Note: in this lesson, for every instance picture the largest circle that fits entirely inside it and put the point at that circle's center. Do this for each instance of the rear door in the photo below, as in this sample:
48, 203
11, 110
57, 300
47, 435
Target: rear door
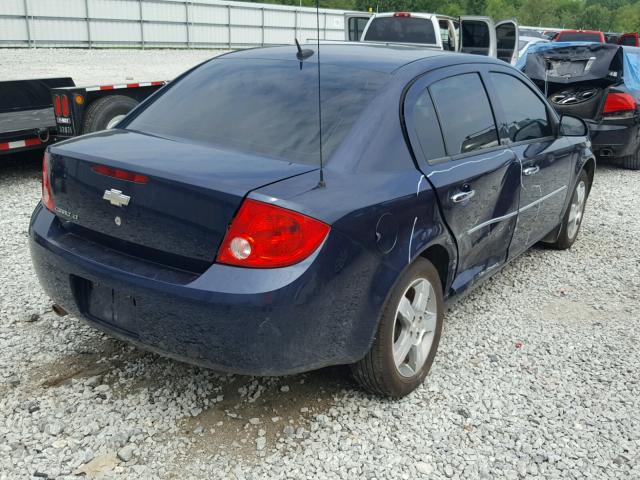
528, 126
453, 134
477, 35
354, 24
448, 33
507, 40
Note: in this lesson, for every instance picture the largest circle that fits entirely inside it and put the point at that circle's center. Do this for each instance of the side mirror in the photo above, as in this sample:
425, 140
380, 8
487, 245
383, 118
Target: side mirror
573, 126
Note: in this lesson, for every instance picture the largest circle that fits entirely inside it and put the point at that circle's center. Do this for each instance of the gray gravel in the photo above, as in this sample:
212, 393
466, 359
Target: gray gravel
536, 377
98, 66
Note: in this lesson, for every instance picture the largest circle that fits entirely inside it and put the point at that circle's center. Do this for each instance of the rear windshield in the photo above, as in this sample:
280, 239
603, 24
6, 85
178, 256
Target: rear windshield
579, 37
262, 106
401, 30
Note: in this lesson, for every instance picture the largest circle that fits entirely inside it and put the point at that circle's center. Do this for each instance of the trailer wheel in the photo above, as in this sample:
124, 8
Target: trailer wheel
106, 112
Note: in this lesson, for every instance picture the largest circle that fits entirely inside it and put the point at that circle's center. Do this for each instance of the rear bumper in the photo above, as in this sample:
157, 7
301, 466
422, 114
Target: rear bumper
259, 322
617, 139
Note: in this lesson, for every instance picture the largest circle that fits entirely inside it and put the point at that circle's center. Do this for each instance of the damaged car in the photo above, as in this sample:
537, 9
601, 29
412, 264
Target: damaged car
599, 83
223, 224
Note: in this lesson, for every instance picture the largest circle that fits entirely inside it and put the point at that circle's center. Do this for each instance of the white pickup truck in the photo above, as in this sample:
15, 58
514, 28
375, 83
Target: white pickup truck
467, 34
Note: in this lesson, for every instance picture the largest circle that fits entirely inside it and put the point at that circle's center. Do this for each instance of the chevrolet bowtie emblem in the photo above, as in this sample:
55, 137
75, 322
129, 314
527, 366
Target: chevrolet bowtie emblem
116, 197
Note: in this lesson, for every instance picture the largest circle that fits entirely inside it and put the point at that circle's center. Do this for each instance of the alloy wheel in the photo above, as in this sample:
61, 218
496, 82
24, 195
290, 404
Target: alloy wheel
576, 209
414, 327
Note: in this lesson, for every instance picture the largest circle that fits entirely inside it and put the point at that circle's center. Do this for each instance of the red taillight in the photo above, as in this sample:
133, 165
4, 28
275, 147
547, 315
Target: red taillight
120, 174
402, 14
65, 106
266, 236
619, 102
47, 195
56, 105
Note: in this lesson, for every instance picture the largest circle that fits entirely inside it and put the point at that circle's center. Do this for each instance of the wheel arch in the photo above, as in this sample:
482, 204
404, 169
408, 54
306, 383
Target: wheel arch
590, 167
439, 256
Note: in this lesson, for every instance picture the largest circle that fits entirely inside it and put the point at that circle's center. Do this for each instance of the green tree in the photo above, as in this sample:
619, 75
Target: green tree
500, 9
596, 17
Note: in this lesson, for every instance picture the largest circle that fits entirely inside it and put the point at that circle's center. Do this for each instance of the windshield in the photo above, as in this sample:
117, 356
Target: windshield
401, 30
262, 106
579, 37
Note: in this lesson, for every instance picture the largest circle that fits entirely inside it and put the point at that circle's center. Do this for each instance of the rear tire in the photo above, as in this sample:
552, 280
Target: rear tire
572, 220
630, 162
104, 112
404, 348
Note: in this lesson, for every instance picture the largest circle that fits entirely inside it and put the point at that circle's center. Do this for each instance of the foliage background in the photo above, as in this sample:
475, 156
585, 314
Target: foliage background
605, 15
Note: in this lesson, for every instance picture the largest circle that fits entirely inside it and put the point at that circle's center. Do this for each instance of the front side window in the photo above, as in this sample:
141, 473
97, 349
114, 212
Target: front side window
465, 113
525, 114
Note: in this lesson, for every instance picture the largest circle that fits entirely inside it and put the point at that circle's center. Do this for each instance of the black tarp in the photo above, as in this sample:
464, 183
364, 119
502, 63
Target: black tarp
20, 95
569, 63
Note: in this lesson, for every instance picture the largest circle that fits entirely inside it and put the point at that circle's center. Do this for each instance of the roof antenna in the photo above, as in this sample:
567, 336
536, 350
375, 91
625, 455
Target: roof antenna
302, 54
321, 182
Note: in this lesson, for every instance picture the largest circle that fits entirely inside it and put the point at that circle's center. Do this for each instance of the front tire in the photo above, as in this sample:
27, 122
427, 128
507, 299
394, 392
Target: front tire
573, 216
408, 334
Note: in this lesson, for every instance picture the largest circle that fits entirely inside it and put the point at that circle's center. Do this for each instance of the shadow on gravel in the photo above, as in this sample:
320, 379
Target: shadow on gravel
21, 164
256, 412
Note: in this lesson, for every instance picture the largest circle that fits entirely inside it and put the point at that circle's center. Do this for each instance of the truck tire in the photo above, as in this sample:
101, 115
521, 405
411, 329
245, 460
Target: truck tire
630, 162
104, 112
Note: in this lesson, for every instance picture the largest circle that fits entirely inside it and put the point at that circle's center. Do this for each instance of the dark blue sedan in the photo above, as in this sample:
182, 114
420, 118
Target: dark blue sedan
199, 227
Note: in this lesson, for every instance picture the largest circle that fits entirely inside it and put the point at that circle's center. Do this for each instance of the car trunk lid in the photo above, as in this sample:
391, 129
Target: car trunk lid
183, 209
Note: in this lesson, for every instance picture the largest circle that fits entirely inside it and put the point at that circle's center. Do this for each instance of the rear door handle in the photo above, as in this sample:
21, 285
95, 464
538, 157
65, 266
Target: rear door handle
531, 171
462, 196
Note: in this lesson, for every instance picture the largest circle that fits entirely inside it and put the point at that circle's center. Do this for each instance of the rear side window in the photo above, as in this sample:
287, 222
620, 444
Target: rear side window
465, 113
427, 128
265, 107
356, 27
401, 30
525, 114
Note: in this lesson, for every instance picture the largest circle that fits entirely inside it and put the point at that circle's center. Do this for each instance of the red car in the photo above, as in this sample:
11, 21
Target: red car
580, 36
629, 39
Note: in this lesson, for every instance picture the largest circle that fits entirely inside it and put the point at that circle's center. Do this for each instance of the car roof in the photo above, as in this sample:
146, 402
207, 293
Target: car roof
379, 57
413, 14
598, 32
527, 38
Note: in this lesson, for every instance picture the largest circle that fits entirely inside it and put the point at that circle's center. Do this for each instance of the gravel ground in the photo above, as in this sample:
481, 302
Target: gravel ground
98, 66
536, 377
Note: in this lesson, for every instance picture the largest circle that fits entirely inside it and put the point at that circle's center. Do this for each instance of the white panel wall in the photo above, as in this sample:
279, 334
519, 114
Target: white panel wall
12, 7
175, 23
13, 31
71, 8
116, 9
115, 32
209, 14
